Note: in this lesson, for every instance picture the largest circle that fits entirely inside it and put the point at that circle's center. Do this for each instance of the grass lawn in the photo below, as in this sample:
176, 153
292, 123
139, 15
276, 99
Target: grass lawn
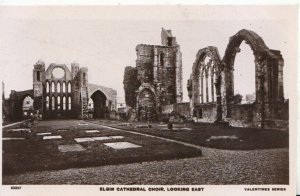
34, 153
210, 135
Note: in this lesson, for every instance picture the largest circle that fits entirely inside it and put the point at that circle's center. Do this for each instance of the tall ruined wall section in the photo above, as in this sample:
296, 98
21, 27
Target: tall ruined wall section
269, 110
144, 63
76, 106
159, 70
165, 72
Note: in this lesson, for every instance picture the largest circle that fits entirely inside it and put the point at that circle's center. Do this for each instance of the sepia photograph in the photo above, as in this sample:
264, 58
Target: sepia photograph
160, 99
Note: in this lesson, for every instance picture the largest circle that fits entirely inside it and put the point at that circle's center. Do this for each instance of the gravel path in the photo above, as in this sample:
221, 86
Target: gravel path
214, 167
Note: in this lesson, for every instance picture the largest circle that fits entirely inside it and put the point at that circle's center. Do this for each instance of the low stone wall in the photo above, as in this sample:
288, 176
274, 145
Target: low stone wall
282, 111
242, 115
180, 108
206, 113
179, 111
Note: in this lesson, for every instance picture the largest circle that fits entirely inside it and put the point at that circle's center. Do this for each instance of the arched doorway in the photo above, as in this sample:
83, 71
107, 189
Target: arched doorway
99, 104
146, 105
27, 107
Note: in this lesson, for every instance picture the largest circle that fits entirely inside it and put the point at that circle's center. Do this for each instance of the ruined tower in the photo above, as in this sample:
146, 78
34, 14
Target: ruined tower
159, 70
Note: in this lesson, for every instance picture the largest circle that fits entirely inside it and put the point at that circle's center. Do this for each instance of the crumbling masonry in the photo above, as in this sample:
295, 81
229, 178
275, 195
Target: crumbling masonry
68, 95
211, 89
159, 71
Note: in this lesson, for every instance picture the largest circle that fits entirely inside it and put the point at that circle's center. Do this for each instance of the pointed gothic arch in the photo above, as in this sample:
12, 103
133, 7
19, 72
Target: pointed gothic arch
268, 70
204, 85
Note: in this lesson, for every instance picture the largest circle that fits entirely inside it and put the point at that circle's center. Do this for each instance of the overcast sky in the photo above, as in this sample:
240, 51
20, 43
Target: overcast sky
104, 39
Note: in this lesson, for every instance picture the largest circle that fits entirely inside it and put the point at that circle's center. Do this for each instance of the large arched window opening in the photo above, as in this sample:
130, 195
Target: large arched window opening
47, 102
64, 103
58, 103
69, 87
244, 75
53, 103
58, 87
64, 87
69, 103
52, 87
268, 64
47, 87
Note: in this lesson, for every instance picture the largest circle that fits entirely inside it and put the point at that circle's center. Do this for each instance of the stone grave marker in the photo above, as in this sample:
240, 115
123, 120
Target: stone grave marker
62, 130
52, 137
12, 138
117, 137
21, 130
70, 148
121, 145
102, 138
84, 139
44, 133
92, 131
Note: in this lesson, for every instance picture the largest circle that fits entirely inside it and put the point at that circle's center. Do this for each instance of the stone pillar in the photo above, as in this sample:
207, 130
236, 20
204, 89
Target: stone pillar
212, 87
84, 92
39, 87
218, 85
178, 71
190, 94
155, 65
225, 81
206, 87
196, 90
201, 90
280, 97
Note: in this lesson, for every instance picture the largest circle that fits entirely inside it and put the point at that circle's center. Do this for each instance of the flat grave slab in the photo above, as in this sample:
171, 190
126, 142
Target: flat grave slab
186, 129
143, 126
70, 148
223, 137
20, 130
45, 133
121, 145
84, 139
52, 137
92, 131
101, 138
117, 137
12, 138
125, 124
62, 130
83, 124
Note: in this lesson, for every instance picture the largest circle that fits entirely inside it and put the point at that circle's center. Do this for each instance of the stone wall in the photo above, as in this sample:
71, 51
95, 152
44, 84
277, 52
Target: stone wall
12, 106
159, 69
205, 113
110, 94
64, 96
242, 115
269, 107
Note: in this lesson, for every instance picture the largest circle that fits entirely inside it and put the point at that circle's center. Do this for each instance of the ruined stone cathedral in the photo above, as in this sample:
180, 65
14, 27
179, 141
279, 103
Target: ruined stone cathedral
159, 73
59, 92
